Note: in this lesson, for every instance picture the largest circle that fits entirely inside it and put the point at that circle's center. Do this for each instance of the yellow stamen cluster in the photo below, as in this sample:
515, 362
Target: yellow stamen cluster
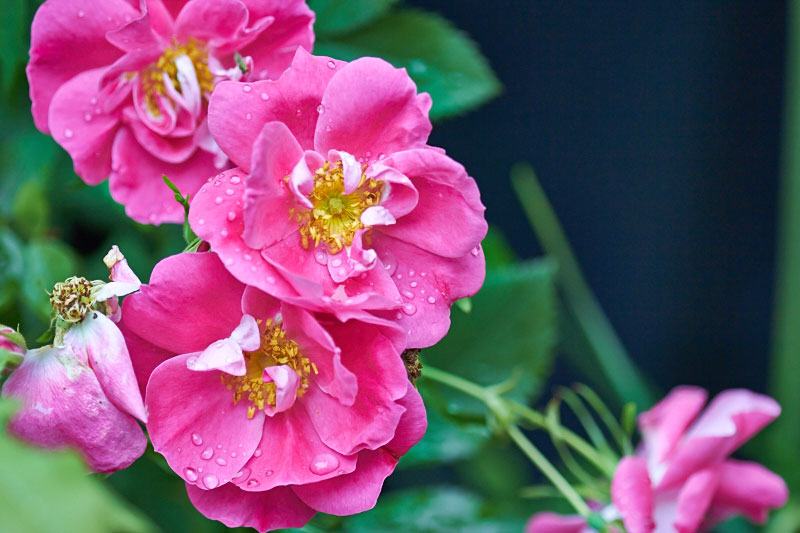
336, 216
275, 350
72, 299
153, 76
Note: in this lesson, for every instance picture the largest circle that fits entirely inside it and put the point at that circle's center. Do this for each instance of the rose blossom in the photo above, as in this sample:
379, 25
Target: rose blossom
338, 203
683, 479
82, 391
267, 411
124, 89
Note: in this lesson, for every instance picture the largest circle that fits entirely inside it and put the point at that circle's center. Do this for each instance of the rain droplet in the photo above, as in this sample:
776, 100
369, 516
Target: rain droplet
331, 64
229, 261
476, 250
93, 100
411, 273
264, 96
336, 261
269, 473
321, 257
423, 274
271, 279
81, 14
207, 453
233, 454
431, 300
413, 284
399, 276
409, 309
231, 216
252, 483
241, 475
399, 316
197, 440
210, 481
408, 294
219, 446
248, 116
218, 200
220, 461
328, 128
247, 88
342, 271
87, 117
324, 463
247, 257
229, 192
320, 109
68, 133
190, 474
299, 112
224, 233
235, 179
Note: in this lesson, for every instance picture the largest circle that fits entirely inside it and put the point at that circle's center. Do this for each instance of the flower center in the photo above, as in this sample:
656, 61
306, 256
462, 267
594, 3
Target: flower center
275, 350
153, 76
72, 299
336, 216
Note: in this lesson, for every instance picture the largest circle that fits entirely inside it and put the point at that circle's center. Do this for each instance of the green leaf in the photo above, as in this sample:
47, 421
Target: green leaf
14, 336
9, 358
11, 267
30, 210
50, 491
441, 59
46, 263
430, 510
12, 40
335, 17
446, 440
510, 333
496, 249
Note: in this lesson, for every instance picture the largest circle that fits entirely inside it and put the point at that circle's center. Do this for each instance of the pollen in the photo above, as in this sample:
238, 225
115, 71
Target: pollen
335, 217
72, 299
275, 350
153, 75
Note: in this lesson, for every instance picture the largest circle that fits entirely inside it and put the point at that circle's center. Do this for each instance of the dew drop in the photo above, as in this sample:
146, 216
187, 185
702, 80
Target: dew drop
399, 276
210, 481
247, 88
299, 112
328, 128
413, 284
252, 483
269, 473
399, 316
190, 474
224, 233
248, 116
218, 200
342, 271
229, 261
233, 454
264, 96
68, 133
197, 440
431, 300
219, 446
87, 117
81, 14
476, 250
411, 273
220, 461
229, 192
423, 274
320, 109
331, 64
408, 294
323, 463
235, 179
207, 453
241, 475
247, 257
271, 279
409, 309
321, 257
231, 216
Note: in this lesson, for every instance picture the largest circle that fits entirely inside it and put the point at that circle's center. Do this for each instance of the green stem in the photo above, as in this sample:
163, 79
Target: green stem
502, 408
606, 346
785, 364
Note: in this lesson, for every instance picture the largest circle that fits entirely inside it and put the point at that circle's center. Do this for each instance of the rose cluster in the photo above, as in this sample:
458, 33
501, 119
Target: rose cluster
270, 364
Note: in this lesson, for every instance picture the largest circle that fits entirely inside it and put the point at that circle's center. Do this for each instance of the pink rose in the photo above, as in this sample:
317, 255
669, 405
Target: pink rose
267, 411
683, 479
338, 203
124, 89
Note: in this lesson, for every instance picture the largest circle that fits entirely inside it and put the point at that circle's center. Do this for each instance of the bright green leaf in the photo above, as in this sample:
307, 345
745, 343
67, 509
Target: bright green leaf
510, 333
51, 492
14, 336
46, 262
496, 249
335, 17
441, 59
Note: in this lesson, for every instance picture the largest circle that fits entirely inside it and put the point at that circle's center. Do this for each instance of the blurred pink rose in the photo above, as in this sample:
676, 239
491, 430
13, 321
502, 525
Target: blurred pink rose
124, 86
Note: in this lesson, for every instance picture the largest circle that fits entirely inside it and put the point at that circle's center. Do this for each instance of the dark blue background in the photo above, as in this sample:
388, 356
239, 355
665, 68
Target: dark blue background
654, 128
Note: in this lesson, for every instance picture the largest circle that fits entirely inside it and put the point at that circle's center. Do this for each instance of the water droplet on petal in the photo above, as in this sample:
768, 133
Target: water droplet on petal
409, 309
231, 216
93, 100
248, 116
431, 300
220, 461
68, 133
328, 128
271, 279
247, 257
336, 262
269, 473
413, 284
241, 475
207, 453
197, 440
247, 88
331, 64
218, 200
233, 454
324, 463
87, 117
299, 112
81, 14
235, 179
229, 261
320, 109
408, 294
190, 474
321, 257
210, 481
252, 483
399, 316
264, 96
224, 233
476, 250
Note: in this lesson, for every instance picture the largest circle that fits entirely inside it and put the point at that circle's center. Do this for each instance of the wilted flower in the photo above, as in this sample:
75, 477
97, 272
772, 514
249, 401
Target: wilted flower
123, 86
267, 411
338, 202
81, 391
